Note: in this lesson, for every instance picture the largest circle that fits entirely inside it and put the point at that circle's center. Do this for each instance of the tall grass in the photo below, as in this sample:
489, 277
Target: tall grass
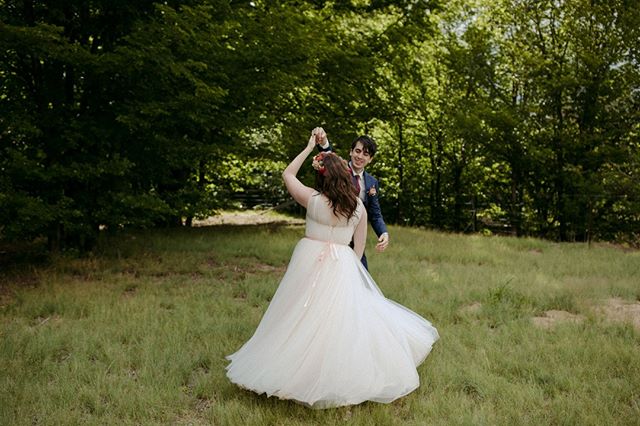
137, 333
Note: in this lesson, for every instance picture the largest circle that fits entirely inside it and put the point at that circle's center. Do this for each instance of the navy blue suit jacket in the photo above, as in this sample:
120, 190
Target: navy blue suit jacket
372, 204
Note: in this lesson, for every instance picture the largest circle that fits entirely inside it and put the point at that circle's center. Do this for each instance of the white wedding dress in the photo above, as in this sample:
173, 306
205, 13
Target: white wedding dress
329, 337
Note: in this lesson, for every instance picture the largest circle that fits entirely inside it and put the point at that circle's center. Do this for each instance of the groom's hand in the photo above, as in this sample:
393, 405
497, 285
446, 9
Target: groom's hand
383, 242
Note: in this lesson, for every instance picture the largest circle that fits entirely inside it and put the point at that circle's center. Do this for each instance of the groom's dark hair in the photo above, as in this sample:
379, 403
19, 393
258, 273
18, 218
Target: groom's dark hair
368, 144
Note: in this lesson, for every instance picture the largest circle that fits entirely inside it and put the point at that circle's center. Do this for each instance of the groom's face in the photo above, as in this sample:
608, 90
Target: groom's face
360, 158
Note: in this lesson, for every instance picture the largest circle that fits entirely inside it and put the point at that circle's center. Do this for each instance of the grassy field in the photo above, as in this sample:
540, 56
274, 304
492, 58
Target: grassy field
137, 333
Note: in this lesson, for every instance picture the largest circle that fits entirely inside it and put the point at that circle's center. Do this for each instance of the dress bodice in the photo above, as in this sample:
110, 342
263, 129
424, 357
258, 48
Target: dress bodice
323, 225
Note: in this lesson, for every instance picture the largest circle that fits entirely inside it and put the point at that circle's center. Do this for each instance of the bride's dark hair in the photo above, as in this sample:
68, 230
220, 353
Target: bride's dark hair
334, 181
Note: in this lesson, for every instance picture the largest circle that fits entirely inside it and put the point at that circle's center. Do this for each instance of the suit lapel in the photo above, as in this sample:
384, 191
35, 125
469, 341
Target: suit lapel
366, 179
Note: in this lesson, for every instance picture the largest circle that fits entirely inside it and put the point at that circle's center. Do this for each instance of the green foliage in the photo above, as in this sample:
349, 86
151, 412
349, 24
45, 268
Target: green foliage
523, 106
518, 116
120, 119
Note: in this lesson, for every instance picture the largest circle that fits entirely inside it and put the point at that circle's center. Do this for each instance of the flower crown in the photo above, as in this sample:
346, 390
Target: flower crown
318, 163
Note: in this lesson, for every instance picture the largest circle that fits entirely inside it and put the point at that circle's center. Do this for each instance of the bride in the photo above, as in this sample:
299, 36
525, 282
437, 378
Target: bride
329, 337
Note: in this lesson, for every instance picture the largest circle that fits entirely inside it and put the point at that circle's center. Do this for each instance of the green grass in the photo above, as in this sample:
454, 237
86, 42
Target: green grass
137, 333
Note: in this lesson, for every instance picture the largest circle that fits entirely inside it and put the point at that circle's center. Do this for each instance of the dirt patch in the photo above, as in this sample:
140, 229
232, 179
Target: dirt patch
553, 317
195, 416
620, 310
473, 308
263, 267
129, 291
203, 405
249, 217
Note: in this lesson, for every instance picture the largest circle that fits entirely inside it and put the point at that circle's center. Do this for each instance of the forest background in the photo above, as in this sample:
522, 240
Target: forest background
518, 115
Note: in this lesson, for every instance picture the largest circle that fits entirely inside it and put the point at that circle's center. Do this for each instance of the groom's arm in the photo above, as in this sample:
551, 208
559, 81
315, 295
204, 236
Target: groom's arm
375, 217
326, 147
322, 141
375, 212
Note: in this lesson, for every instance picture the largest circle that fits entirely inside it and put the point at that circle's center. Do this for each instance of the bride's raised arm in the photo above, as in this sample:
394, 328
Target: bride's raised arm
300, 192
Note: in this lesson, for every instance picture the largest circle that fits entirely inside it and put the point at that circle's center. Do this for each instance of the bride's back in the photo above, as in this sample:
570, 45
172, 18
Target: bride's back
322, 224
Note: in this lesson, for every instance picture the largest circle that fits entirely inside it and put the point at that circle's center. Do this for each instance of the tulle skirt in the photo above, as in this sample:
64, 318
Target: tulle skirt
330, 338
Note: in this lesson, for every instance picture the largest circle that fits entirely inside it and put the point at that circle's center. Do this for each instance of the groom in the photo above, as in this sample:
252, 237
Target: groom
362, 151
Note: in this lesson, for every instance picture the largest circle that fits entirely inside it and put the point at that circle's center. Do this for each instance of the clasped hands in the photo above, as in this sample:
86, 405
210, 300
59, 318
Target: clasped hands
320, 136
